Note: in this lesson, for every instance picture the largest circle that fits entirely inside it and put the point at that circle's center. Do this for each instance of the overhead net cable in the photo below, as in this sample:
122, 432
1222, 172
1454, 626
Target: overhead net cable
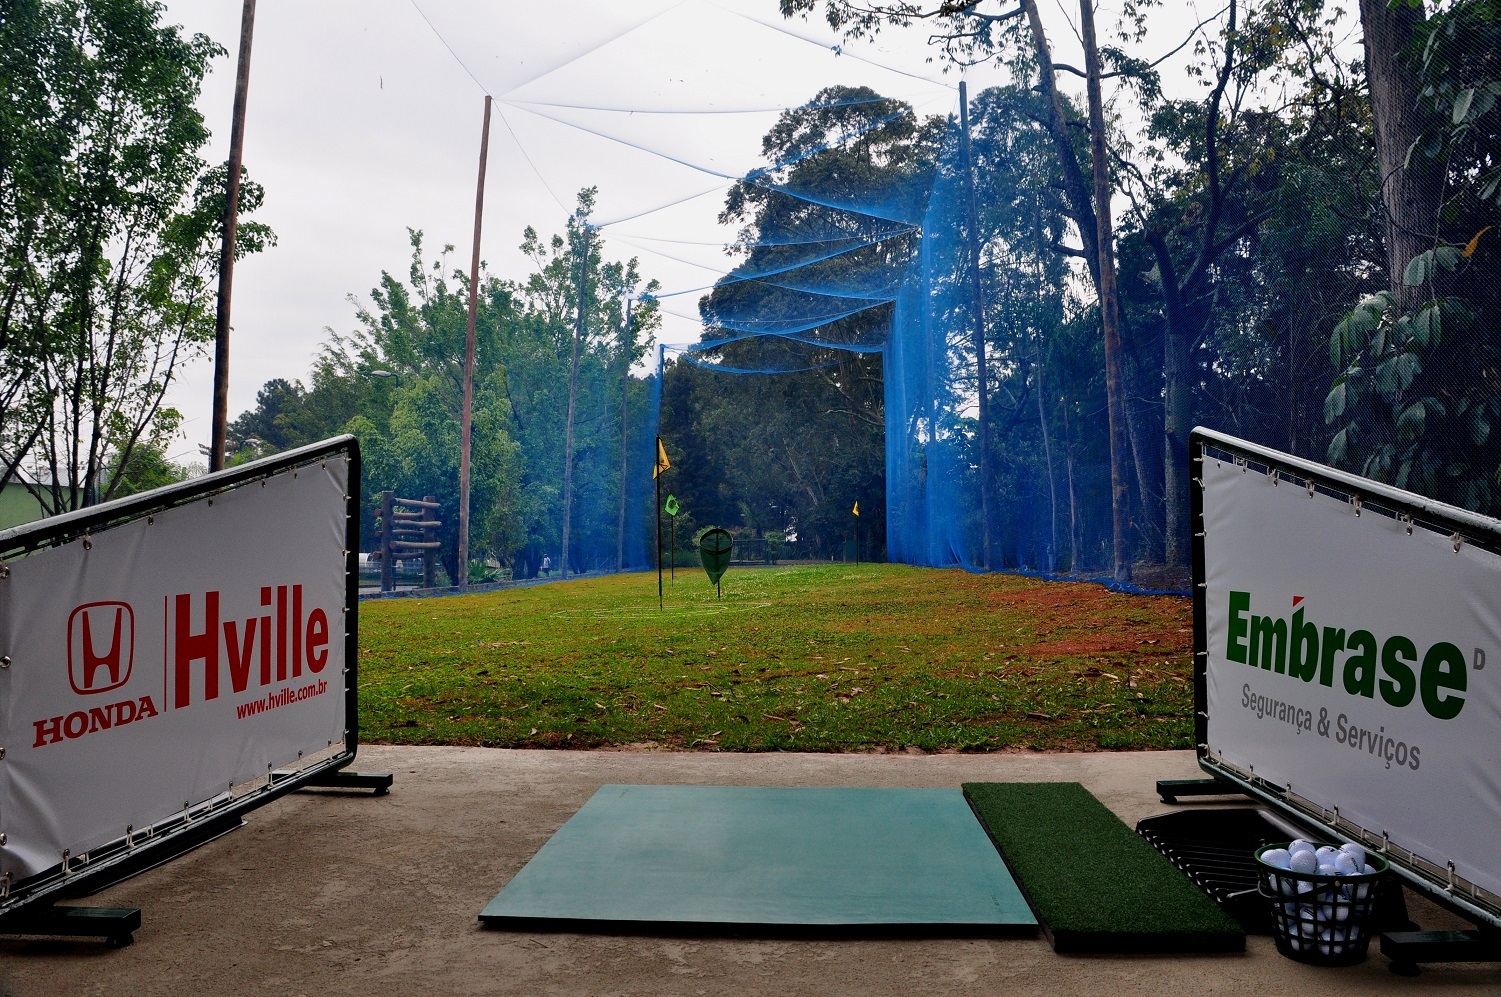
527, 156
738, 245
550, 69
524, 102
838, 48
444, 42
756, 175
735, 276
685, 353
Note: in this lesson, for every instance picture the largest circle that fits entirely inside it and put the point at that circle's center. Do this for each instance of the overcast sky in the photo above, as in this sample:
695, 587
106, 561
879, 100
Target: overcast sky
364, 119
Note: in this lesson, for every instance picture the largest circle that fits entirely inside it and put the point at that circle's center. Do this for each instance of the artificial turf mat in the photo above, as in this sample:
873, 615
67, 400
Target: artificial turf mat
695, 859
1096, 885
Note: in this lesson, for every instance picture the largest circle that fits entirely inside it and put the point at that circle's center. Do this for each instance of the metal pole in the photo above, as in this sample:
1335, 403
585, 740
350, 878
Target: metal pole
573, 391
227, 246
981, 373
466, 422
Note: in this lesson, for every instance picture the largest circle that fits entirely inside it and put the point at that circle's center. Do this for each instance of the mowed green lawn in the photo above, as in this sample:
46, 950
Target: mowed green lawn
808, 658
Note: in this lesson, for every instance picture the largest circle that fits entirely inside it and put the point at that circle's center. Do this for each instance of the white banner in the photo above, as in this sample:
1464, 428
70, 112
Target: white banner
156, 665
1356, 663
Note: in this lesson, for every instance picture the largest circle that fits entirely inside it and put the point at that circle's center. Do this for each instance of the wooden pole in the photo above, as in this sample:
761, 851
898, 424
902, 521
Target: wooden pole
466, 422
227, 243
387, 529
982, 374
430, 553
573, 393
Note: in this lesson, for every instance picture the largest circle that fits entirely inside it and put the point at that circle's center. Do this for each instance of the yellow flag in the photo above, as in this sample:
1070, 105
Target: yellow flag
856, 509
662, 462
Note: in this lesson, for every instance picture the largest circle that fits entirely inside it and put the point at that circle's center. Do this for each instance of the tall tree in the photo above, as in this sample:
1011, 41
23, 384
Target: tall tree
1415, 401
109, 239
1411, 186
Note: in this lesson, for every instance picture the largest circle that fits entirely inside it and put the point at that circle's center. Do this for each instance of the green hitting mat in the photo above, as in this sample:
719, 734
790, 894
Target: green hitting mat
818, 861
1096, 885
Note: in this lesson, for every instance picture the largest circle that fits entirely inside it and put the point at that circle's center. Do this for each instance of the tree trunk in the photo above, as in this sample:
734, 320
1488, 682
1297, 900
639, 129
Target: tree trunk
1177, 411
1110, 312
1141, 428
1091, 213
1410, 192
627, 345
1075, 187
573, 393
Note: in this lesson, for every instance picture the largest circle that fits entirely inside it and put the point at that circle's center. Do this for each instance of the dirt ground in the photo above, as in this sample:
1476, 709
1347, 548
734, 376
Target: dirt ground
326, 893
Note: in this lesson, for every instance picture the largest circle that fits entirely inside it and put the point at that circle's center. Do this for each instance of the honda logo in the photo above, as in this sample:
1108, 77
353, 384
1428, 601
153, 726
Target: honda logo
101, 646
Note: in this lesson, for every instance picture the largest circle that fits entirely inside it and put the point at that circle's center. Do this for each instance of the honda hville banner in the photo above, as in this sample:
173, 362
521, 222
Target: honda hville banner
158, 664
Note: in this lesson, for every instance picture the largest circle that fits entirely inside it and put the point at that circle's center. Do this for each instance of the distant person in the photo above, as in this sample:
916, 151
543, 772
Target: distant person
546, 565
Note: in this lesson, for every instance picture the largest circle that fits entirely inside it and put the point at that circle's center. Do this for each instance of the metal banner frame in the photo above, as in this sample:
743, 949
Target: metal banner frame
25, 906
1412, 511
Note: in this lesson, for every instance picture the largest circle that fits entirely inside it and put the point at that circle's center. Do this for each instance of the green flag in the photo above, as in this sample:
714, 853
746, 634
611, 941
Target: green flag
671, 505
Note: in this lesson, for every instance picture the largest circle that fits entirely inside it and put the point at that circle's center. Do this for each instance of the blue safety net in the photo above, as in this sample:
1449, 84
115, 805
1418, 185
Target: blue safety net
870, 286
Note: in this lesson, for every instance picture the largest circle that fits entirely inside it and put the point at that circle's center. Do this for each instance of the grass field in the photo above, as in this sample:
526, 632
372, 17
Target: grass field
810, 658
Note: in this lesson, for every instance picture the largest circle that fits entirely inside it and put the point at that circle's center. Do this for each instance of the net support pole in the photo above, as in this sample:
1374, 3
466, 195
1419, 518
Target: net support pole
573, 393
466, 420
219, 431
982, 377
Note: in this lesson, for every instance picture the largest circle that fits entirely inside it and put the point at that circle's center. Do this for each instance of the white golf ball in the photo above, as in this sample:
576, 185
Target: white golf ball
1346, 864
1304, 861
1325, 869
1355, 851
1277, 857
1326, 854
1299, 845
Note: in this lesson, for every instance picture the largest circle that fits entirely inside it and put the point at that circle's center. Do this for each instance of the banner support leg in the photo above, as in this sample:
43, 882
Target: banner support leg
380, 782
117, 925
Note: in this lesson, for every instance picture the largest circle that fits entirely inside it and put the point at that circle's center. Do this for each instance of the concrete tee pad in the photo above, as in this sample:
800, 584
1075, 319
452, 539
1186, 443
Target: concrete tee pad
343, 894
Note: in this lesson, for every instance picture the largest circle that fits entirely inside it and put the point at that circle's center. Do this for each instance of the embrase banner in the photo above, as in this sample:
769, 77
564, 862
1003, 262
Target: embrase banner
158, 664
1357, 663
